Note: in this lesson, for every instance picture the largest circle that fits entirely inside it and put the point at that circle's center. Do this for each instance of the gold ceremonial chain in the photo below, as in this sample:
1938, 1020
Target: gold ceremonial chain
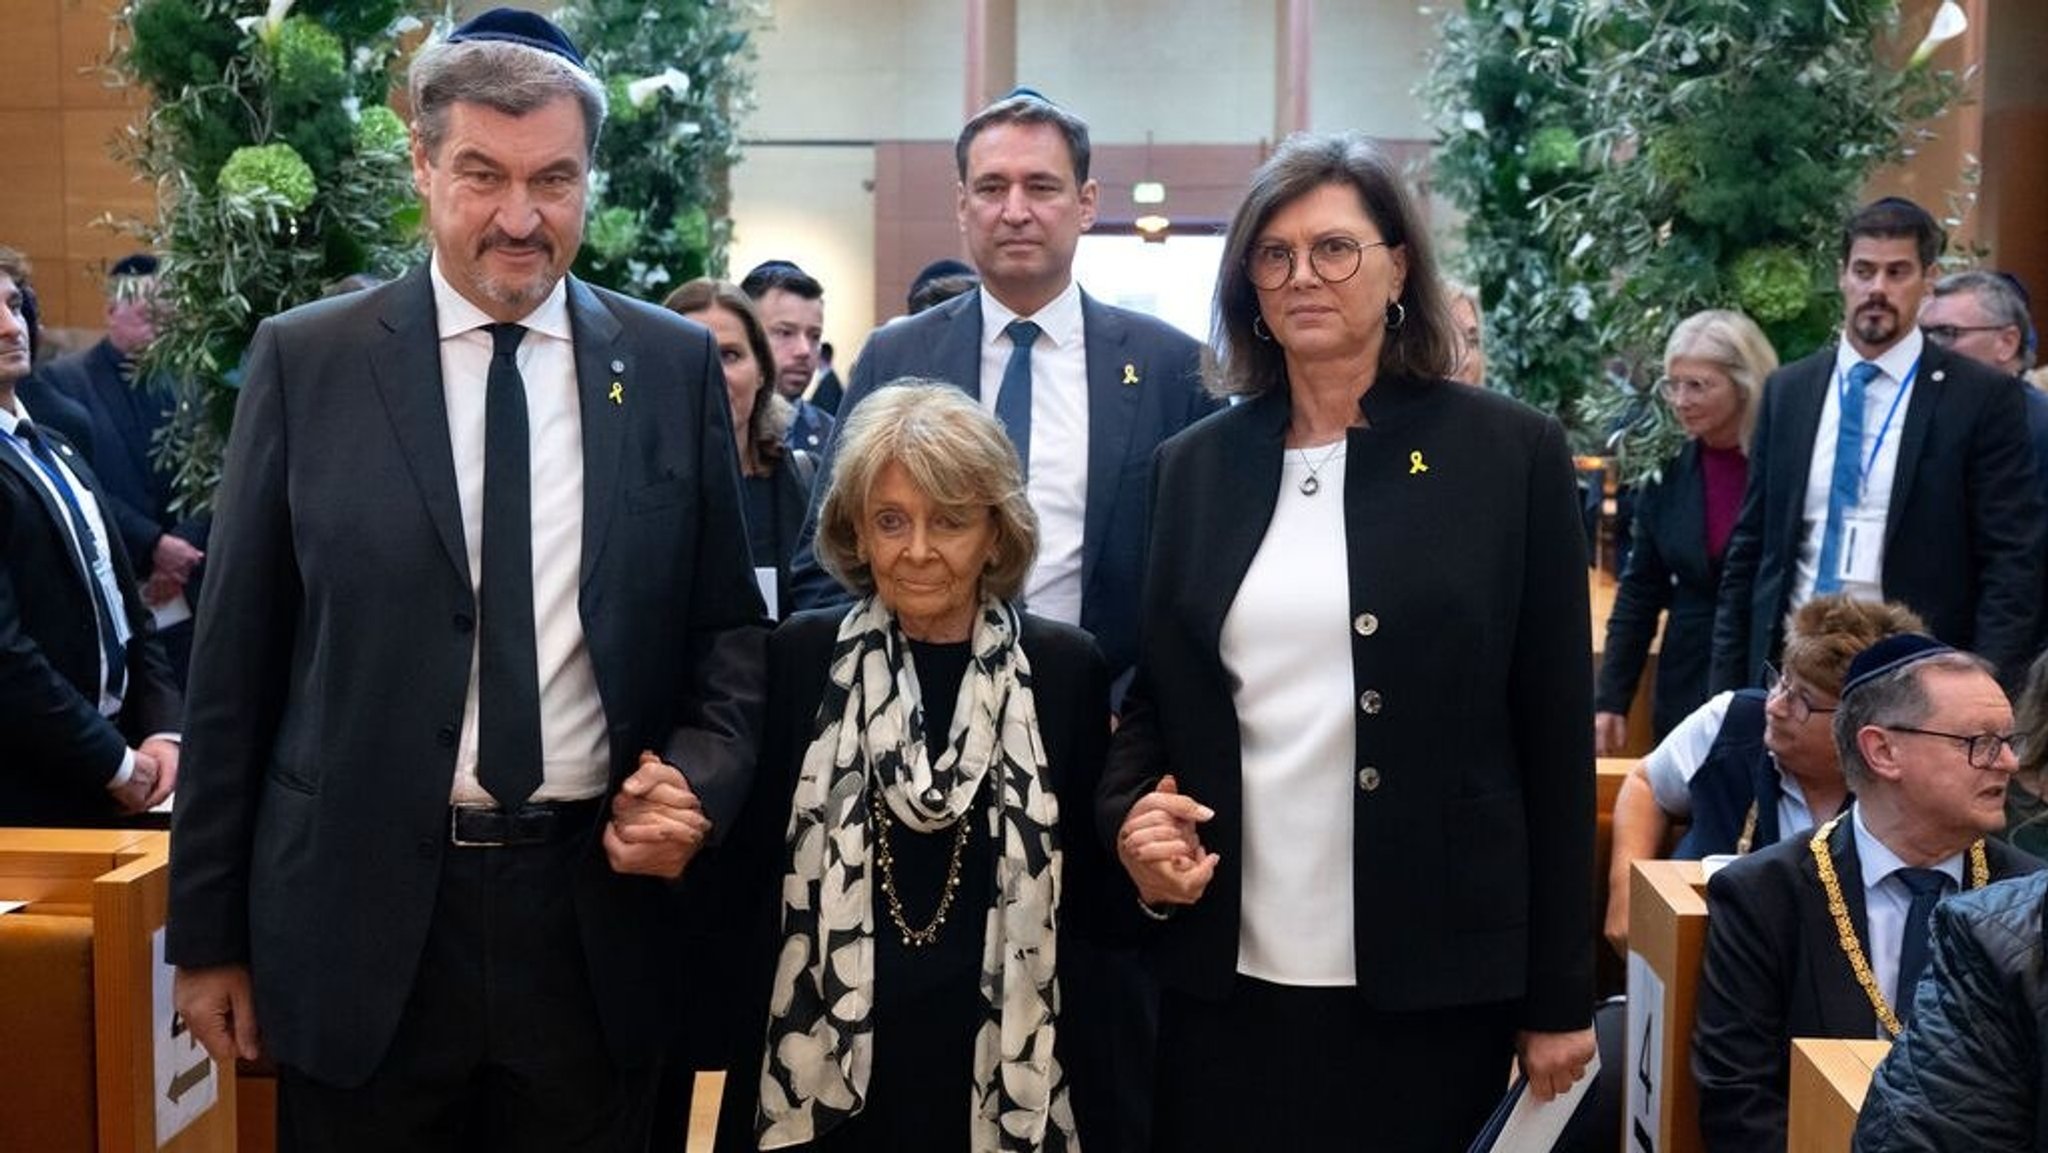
885, 861
1845, 929
1748, 836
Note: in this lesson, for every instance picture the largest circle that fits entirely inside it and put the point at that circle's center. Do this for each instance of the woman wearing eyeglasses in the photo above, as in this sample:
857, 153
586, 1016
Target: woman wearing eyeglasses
1353, 779
1714, 368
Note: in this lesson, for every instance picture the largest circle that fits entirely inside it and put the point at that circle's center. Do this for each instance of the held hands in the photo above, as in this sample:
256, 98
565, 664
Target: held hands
1610, 734
1553, 1061
1161, 847
219, 1007
155, 775
657, 823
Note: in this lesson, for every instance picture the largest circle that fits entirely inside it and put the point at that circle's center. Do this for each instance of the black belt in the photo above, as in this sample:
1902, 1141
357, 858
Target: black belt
533, 823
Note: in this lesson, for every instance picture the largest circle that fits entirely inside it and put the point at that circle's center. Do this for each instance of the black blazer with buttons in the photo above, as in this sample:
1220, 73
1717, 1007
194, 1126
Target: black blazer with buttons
1668, 571
1474, 802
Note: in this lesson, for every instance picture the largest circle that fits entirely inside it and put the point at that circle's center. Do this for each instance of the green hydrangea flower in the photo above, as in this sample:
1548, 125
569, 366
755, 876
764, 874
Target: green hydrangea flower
613, 232
380, 130
269, 171
308, 55
1553, 150
1773, 284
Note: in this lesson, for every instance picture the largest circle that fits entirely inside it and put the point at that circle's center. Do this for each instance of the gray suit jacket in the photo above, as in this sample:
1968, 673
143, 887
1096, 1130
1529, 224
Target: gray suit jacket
334, 649
1144, 385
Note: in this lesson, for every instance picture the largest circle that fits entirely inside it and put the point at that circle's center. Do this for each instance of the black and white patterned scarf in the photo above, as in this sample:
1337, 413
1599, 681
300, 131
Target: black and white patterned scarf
870, 736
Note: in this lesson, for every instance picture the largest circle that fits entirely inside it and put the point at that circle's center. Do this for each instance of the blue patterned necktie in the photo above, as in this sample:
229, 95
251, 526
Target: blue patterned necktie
1845, 487
1013, 402
1927, 887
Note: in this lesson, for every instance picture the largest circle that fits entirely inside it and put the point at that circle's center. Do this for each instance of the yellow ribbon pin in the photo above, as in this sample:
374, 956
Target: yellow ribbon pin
1130, 374
618, 393
1415, 464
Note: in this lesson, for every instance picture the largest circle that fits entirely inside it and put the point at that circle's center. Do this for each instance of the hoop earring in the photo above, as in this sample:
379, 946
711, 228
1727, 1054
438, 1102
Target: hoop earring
1397, 315
1259, 328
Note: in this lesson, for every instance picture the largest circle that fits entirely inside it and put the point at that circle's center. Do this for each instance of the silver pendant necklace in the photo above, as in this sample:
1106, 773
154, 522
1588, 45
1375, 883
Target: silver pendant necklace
1310, 485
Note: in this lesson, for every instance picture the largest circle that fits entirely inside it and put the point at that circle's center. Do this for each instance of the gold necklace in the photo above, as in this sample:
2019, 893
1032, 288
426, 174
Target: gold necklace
885, 863
1845, 928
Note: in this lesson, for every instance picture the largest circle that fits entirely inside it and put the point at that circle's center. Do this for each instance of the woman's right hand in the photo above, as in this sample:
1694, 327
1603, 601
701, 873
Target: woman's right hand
1160, 845
1610, 734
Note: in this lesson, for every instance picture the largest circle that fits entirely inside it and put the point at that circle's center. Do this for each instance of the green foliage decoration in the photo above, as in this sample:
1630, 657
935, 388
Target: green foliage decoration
1737, 138
279, 169
1503, 86
679, 76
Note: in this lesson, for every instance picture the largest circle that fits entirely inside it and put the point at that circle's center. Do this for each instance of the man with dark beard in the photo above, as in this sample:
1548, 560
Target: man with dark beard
1887, 468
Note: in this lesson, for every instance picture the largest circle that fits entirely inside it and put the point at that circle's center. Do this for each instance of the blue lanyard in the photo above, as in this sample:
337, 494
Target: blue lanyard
1842, 399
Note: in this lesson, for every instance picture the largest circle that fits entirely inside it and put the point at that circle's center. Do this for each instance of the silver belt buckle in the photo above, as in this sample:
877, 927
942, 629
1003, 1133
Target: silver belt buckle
455, 826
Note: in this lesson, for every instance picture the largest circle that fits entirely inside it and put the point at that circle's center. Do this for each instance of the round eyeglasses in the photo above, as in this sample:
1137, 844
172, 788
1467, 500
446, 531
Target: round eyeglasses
1334, 259
1797, 703
1982, 749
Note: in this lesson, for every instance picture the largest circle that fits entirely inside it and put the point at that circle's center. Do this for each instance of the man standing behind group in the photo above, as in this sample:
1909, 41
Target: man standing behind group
479, 661
1086, 390
792, 307
1888, 468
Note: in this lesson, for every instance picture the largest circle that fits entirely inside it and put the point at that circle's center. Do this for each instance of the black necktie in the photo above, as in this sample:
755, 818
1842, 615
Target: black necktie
1927, 886
89, 551
1013, 402
508, 676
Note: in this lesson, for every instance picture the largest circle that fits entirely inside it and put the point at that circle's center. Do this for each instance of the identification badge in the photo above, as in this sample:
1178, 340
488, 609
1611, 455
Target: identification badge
1862, 548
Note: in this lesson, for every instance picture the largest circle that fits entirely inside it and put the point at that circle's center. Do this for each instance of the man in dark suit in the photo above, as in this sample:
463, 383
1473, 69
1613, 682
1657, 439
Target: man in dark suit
479, 661
1100, 386
1889, 468
1825, 936
86, 703
792, 307
127, 414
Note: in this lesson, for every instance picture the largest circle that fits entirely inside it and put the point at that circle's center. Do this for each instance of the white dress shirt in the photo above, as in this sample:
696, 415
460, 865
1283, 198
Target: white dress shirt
1058, 484
1888, 394
575, 748
1677, 758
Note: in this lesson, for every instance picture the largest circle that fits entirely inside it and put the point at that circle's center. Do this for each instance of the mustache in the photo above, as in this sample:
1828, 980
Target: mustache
497, 239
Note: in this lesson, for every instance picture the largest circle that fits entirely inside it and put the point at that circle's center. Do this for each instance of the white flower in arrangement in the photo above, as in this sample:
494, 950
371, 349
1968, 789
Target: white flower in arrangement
266, 25
1950, 21
684, 131
640, 91
1472, 121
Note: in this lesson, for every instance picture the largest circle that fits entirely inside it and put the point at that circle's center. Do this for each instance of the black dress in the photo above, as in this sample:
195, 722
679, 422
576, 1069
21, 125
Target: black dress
927, 1000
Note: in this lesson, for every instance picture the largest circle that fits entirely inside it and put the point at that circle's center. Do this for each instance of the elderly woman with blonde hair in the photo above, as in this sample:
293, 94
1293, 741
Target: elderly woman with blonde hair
1715, 363
929, 759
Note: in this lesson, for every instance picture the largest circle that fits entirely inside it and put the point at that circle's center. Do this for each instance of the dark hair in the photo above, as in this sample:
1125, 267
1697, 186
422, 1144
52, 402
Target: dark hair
134, 264
1025, 106
1894, 698
704, 294
940, 289
770, 275
15, 267
2004, 301
1895, 217
1424, 344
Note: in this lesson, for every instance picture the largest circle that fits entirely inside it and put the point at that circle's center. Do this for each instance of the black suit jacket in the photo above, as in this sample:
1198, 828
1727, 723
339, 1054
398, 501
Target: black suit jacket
1070, 687
335, 644
125, 419
1962, 542
1668, 570
1144, 385
1474, 810
55, 409
1774, 970
60, 752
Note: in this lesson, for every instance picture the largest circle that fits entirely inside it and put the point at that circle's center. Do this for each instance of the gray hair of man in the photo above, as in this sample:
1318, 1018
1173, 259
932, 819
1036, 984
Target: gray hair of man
506, 77
1423, 344
1733, 343
1895, 698
956, 454
2001, 301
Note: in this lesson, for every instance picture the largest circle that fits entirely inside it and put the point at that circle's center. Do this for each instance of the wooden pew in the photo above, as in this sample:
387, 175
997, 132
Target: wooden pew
1667, 936
84, 1002
1829, 1078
